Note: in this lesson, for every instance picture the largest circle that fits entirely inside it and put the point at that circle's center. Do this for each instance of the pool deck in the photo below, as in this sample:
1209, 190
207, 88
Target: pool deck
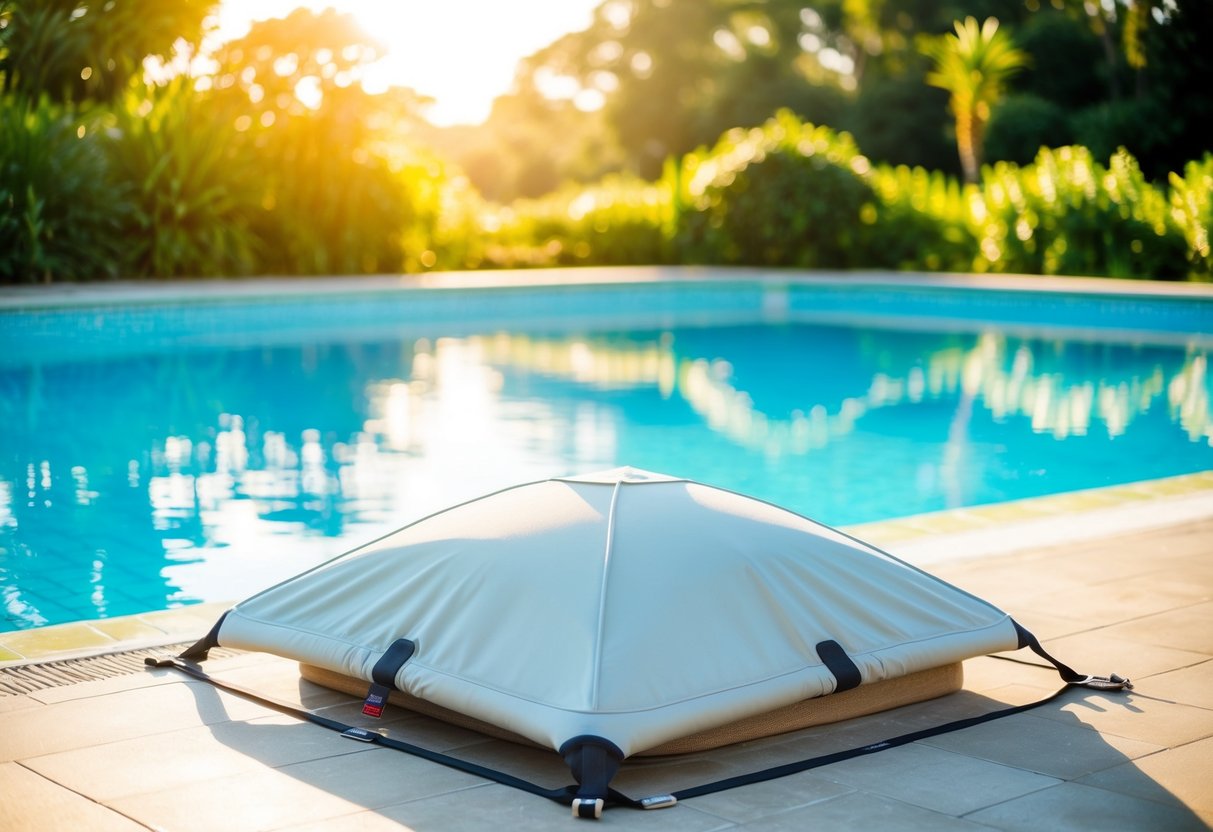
1129, 589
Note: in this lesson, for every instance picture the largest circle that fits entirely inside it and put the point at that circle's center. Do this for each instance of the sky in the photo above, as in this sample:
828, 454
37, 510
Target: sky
462, 53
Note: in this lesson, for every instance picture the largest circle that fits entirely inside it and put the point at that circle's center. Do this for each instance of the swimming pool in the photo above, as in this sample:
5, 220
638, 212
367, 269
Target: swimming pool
155, 454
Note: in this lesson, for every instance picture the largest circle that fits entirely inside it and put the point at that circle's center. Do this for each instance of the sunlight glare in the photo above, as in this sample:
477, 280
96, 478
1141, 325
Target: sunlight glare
462, 53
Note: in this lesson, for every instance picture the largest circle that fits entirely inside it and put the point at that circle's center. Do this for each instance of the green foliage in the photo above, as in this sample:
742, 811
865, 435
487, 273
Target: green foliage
1022, 124
1067, 214
784, 194
74, 50
193, 197
922, 221
1192, 211
59, 209
897, 121
619, 221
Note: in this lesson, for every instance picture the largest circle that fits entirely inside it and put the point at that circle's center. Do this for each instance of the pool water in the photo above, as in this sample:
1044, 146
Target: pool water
172, 472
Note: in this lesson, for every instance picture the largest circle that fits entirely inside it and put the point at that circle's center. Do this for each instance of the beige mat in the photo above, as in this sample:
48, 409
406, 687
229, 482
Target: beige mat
860, 701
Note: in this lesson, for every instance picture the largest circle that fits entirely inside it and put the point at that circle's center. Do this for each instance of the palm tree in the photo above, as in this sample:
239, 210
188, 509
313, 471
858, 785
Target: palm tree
973, 65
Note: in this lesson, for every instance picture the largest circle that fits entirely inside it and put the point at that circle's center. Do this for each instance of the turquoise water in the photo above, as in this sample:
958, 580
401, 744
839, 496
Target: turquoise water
170, 455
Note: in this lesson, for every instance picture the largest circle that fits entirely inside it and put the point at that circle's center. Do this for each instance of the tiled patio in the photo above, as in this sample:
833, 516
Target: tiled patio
150, 750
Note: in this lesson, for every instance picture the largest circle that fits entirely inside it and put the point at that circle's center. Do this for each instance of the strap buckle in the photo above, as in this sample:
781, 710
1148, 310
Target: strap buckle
1112, 682
588, 807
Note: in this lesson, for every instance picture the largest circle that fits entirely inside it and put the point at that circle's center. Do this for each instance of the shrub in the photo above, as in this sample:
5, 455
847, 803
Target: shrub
1192, 211
1022, 124
60, 211
922, 221
618, 221
784, 194
1067, 214
193, 197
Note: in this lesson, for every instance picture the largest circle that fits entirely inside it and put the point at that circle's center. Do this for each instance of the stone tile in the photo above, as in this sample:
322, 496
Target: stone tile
1071, 806
1114, 601
1046, 746
1189, 628
55, 640
365, 821
1176, 777
748, 803
166, 761
953, 784
494, 808
128, 628
1134, 714
119, 716
17, 703
1190, 685
263, 800
380, 777
1105, 651
8, 655
860, 810
279, 679
34, 804
151, 677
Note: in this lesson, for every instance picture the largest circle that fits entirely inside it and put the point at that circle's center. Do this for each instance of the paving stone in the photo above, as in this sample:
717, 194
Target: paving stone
1135, 715
860, 810
32, 803
1071, 806
165, 761
1190, 685
748, 803
50, 642
494, 808
20, 702
99, 720
365, 821
265, 799
1046, 746
1188, 628
1178, 777
1106, 650
943, 781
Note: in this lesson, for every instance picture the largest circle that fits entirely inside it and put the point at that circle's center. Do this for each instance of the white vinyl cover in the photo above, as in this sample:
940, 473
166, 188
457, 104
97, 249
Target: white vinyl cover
626, 605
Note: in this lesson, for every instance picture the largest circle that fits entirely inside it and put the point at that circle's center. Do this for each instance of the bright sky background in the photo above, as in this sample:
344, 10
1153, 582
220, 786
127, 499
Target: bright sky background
460, 52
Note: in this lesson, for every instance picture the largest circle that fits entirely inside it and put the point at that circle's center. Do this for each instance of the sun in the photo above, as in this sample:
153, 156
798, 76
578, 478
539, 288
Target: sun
461, 53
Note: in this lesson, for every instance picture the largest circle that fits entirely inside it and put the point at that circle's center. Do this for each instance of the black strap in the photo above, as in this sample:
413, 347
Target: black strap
840, 665
562, 795
594, 764
384, 676
1067, 673
851, 753
199, 650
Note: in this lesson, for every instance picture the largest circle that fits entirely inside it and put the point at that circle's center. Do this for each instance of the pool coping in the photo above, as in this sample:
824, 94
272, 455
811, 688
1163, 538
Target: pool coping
79, 295
924, 539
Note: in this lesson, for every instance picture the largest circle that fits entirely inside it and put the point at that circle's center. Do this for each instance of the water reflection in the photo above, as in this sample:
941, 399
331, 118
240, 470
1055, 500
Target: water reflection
140, 483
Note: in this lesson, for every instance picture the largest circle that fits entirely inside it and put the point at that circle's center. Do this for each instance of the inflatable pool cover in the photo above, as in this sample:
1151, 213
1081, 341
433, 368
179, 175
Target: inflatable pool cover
618, 613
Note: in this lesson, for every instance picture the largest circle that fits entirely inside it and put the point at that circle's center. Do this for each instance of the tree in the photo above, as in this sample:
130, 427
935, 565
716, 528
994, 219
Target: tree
973, 65
75, 50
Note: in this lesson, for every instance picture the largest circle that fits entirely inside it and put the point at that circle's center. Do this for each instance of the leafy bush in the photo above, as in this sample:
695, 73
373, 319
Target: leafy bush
1192, 211
60, 211
784, 194
922, 221
193, 197
1021, 125
1067, 214
619, 221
